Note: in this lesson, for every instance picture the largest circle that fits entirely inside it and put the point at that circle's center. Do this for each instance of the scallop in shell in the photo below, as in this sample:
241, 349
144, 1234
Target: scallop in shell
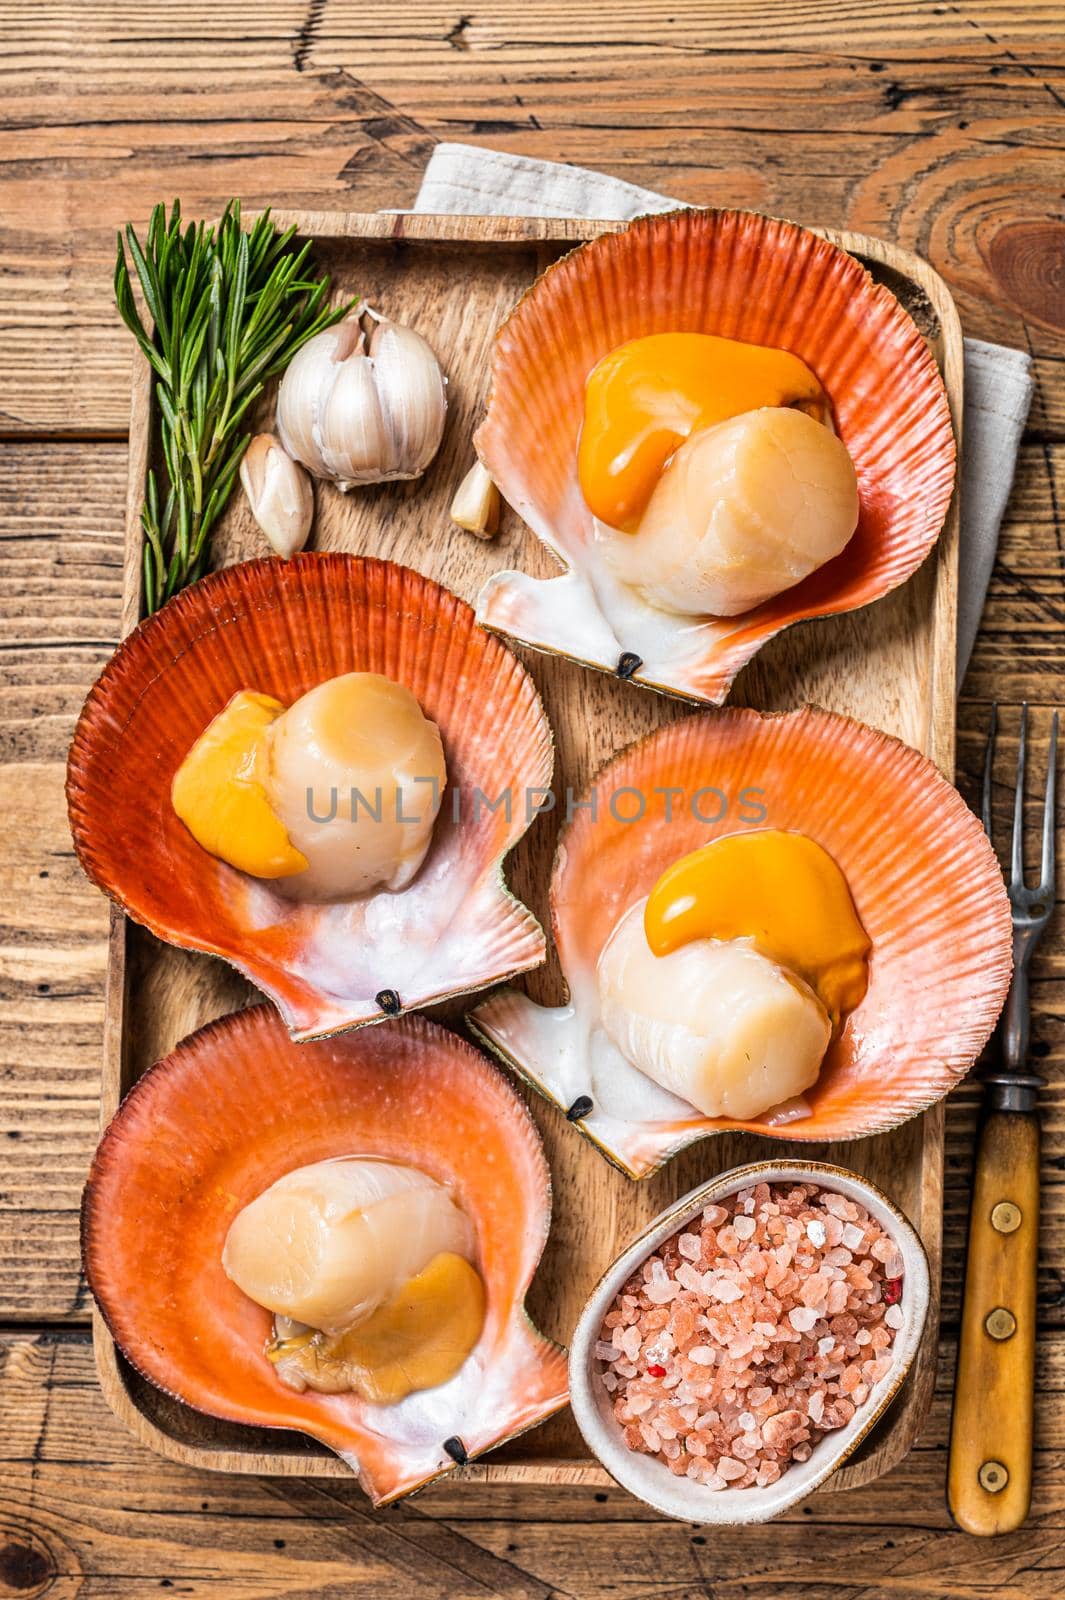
244, 1106
283, 628
924, 880
745, 277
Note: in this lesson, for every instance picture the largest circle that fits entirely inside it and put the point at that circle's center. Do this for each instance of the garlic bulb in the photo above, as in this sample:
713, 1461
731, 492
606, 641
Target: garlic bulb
358, 414
279, 493
476, 504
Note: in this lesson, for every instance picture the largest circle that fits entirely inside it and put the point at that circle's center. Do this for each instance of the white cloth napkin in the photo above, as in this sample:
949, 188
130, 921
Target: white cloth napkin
998, 381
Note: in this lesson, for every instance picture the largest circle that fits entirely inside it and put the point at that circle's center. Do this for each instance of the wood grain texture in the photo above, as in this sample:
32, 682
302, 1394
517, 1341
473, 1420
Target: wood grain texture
991, 1426
938, 125
86, 1511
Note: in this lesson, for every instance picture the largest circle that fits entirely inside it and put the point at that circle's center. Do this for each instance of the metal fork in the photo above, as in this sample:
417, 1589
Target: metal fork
989, 1480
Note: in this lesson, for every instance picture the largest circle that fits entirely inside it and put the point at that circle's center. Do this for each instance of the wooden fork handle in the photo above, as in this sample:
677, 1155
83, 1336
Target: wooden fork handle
989, 1481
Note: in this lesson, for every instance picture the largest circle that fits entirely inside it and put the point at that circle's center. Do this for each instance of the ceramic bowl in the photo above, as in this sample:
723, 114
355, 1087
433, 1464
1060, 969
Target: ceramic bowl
650, 1480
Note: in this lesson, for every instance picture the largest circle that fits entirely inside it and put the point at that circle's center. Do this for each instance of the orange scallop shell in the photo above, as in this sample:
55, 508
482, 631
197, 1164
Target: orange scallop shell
924, 878
231, 1110
742, 276
282, 627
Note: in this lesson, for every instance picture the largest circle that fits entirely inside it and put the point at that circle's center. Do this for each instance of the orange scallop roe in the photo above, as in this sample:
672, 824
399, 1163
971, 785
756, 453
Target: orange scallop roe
781, 889
752, 1333
645, 397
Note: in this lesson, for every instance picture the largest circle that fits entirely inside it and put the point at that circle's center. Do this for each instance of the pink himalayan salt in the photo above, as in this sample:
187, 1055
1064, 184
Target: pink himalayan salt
732, 1351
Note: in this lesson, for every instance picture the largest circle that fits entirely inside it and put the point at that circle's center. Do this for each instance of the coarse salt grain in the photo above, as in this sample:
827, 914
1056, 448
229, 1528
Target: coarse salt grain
780, 1261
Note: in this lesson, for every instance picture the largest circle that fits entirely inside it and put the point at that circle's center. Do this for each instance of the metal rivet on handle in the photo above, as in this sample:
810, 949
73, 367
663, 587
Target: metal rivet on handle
993, 1477
1000, 1323
1006, 1217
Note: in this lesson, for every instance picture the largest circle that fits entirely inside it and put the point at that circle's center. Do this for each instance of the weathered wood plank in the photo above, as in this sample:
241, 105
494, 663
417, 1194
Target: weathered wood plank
86, 1509
945, 136
936, 125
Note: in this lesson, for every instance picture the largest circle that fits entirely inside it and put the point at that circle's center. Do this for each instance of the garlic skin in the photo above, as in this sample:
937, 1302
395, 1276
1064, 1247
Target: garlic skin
476, 505
357, 415
279, 493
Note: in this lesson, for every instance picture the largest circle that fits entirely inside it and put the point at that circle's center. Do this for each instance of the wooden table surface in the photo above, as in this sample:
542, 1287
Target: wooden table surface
939, 125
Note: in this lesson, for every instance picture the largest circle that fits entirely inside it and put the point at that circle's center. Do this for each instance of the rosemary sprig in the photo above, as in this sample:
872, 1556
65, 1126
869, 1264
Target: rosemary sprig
230, 309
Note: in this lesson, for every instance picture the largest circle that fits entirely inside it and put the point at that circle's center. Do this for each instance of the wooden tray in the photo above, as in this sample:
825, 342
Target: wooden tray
891, 664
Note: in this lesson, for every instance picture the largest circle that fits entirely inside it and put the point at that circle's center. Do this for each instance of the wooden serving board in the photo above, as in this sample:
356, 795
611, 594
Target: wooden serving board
892, 664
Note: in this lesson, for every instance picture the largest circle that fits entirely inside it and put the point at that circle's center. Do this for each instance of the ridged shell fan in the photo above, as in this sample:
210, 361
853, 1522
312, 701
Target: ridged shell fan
923, 877
744, 277
282, 628
243, 1105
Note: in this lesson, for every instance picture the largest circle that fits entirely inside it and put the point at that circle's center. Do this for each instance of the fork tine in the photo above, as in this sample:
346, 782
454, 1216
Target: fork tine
989, 768
1046, 883
1017, 854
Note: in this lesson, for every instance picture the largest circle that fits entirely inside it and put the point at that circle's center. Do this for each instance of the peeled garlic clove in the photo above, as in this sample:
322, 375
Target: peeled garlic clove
354, 443
279, 494
413, 399
476, 505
